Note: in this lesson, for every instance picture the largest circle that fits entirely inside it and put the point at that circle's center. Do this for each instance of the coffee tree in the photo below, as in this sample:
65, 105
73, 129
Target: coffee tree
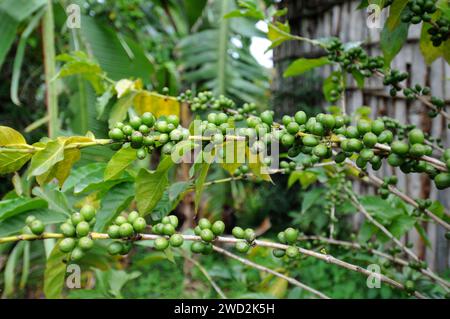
123, 203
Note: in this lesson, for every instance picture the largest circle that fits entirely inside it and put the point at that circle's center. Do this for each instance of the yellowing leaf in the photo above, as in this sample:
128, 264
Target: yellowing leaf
257, 166
9, 136
123, 86
155, 103
71, 156
279, 33
12, 161
234, 155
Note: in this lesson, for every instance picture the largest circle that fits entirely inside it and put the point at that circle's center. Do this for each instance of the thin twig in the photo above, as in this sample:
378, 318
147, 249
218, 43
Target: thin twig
231, 240
376, 181
372, 220
444, 284
207, 276
270, 271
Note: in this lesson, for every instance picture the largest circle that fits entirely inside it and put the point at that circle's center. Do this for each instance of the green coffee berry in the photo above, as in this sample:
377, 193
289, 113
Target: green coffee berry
292, 252
114, 231
168, 230
278, 253
76, 218
37, 227
132, 216
291, 235
126, 230
238, 232
242, 246
115, 248
85, 243
67, 230
176, 240
207, 235
77, 254
139, 225
249, 235
197, 247
161, 243
218, 228
88, 212
83, 229
67, 245
204, 223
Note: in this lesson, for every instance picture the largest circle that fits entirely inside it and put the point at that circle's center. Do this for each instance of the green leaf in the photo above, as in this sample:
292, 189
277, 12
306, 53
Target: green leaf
25, 265
380, 208
306, 178
55, 272
19, 10
8, 28
150, 186
170, 199
120, 109
16, 206
46, 158
121, 160
17, 66
392, 41
303, 65
56, 199
10, 269
82, 173
311, 197
108, 48
112, 204
401, 225
199, 184
395, 14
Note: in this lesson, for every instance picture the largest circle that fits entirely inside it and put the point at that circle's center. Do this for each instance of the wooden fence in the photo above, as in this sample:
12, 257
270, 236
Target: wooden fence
317, 19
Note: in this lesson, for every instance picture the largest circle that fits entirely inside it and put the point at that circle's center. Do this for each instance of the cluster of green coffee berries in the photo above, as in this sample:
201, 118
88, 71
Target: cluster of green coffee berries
288, 237
124, 229
411, 93
383, 191
208, 232
336, 88
353, 59
205, 100
393, 78
419, 10
167, 227
440, 32
247, 235
76, 231
145, 133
